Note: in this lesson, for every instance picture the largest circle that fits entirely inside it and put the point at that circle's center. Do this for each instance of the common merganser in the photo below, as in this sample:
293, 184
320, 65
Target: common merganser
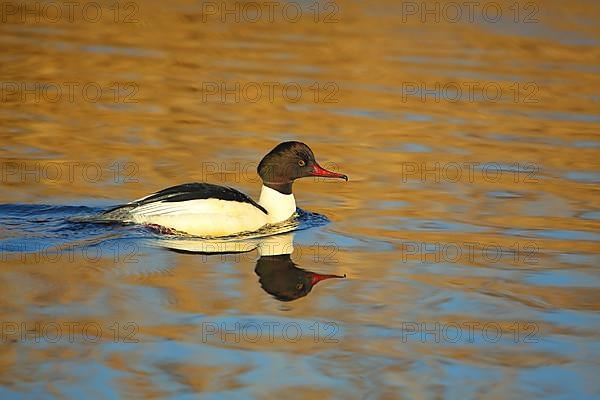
204, 209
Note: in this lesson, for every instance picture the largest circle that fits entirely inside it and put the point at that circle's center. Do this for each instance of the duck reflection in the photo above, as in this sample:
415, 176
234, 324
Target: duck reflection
279, 276
277, 273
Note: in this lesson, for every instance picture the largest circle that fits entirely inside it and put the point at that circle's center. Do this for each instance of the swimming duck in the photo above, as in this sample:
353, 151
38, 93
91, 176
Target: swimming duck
205, 209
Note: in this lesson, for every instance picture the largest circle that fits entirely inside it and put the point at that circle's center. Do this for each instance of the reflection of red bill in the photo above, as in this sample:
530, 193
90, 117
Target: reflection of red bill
316, 278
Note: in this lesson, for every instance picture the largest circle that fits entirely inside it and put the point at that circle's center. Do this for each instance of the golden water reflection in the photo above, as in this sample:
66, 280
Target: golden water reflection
472, 149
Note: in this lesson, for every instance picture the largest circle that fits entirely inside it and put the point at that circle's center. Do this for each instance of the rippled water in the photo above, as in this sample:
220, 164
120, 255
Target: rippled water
468, 232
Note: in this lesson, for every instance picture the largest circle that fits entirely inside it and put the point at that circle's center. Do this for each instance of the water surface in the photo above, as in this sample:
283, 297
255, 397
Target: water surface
468, 232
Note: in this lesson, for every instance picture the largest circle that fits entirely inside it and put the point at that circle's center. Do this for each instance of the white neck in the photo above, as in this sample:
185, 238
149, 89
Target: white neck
279, 206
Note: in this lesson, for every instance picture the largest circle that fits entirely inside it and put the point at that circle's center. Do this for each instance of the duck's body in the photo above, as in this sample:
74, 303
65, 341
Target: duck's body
204, 209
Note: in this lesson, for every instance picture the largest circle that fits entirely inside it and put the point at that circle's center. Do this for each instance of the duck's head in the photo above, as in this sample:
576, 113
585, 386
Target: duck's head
289, 161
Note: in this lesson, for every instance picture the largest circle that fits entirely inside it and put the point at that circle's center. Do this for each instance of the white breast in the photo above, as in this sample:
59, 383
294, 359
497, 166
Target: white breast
280, 206
205, 217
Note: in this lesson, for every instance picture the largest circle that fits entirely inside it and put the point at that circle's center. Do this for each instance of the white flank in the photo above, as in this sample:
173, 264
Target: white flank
214, 217
206, 217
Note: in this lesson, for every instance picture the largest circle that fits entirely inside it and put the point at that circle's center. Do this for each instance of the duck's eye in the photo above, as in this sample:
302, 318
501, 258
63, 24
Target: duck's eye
301, 163
299, 286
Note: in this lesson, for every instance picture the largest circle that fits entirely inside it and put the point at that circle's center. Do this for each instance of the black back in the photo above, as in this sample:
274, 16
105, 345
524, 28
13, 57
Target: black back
195, 191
